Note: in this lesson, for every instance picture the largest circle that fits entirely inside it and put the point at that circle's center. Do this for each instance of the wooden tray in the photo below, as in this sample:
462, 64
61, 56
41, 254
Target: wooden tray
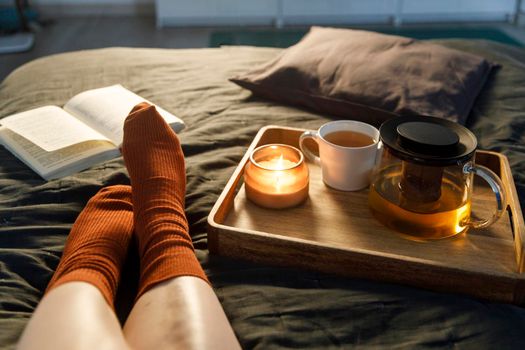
334, 232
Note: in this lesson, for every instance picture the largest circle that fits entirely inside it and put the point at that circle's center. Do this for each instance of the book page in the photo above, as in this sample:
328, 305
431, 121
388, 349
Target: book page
62, 162
106, 109
50, 128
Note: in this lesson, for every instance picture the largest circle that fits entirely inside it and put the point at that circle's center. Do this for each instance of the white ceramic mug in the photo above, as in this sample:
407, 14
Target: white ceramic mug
343, 168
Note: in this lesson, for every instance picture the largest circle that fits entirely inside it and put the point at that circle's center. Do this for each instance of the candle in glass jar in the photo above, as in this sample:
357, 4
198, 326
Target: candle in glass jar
276, 176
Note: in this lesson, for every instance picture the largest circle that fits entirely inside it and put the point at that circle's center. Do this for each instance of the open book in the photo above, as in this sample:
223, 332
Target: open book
57, 142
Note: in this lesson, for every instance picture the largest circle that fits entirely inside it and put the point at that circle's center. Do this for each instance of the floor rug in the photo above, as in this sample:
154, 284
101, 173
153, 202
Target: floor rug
288, 37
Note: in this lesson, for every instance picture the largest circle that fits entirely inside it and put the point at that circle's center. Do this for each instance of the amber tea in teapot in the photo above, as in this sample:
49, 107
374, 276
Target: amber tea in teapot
437, 219
423, 181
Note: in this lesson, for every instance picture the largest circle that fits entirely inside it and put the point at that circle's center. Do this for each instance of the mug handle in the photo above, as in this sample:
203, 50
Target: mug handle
497, 187
307, 153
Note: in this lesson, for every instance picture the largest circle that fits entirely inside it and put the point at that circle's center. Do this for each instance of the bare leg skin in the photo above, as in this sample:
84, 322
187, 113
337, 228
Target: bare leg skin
73, 316
180, 313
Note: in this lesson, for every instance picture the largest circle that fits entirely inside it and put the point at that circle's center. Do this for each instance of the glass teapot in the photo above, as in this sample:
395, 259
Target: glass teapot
423, 179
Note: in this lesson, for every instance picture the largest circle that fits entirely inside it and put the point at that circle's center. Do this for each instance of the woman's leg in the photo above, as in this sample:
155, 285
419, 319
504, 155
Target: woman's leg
77, 309
180, 313
75, 315
175, 306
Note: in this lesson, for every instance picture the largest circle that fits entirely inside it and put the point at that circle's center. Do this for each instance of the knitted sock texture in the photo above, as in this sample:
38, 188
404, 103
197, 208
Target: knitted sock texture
97, 245
155, 163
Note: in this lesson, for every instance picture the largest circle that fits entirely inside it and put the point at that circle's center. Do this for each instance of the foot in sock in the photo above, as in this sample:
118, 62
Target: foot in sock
155, 163
98, 243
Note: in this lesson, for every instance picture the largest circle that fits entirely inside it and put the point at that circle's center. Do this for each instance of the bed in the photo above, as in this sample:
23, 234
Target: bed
269, 307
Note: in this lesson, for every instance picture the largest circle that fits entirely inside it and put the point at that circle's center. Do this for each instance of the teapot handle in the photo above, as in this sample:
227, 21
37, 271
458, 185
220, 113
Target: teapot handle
497, 187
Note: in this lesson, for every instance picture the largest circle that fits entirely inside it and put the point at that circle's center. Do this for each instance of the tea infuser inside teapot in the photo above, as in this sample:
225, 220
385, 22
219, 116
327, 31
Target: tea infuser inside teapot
422, 183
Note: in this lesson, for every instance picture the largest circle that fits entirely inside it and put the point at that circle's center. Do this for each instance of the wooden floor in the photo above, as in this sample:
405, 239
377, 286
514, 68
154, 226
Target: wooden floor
78, 33
70, 34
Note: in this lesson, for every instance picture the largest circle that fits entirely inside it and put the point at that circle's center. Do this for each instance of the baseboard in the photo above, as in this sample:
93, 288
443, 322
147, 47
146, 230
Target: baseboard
108, 10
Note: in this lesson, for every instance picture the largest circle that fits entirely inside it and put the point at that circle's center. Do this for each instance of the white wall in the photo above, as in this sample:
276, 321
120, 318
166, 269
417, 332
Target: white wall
308, 12
199, 12
216, 12
60, 8
90, 2
452, 10
337, 11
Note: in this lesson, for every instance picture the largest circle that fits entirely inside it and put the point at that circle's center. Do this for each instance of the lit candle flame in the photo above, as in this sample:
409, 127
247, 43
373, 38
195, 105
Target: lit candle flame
280, 176
280, 163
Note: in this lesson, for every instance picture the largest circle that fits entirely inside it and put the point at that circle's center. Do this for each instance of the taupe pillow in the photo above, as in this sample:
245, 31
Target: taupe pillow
363, 75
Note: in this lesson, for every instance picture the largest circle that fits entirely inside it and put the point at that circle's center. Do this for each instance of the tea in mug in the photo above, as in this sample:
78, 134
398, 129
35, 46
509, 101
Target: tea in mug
348, 138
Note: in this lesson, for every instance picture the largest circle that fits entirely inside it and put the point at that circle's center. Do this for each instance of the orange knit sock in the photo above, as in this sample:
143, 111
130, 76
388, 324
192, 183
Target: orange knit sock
98, 242
155, 163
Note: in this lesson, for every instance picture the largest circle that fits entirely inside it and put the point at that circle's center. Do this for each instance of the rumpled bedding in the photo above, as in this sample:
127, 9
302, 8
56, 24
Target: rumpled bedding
268, 307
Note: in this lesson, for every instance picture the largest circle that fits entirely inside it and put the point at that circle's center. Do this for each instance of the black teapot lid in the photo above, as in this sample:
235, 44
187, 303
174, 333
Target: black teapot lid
428, 140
